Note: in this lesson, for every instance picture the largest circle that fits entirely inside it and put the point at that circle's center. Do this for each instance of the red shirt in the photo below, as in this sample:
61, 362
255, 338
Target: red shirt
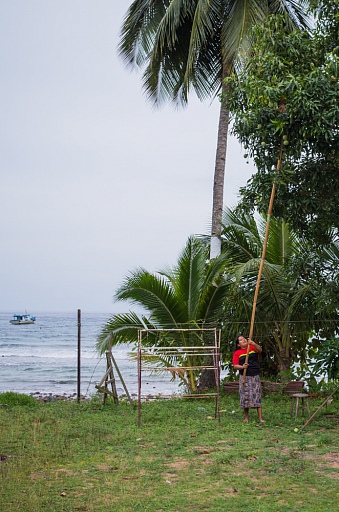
239, 357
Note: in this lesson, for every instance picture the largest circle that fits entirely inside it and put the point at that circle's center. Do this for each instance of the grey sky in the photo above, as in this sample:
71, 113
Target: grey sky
94, 181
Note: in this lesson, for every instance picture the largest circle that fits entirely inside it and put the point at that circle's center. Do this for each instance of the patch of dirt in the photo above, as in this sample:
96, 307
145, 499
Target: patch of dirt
332, 459
106, 467
146, 445
201, 450
231, 491
327, 460
178, 464
37, 476
64, 471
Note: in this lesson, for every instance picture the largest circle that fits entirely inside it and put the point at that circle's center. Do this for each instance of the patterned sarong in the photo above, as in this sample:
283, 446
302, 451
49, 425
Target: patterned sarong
250, 393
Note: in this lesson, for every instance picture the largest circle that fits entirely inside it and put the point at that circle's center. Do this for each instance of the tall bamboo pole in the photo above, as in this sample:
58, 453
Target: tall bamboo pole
269, 215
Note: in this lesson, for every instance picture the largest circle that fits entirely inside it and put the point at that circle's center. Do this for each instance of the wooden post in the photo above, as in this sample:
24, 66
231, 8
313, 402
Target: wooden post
121, 379
109, 378
79, 354
216, 361
139, 378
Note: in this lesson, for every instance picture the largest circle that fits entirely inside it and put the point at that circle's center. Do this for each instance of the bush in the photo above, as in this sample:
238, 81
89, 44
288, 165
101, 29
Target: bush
11, 398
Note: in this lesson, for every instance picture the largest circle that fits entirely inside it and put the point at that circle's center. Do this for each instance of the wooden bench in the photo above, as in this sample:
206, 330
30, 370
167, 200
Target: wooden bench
294, 386
231, 387
271, 387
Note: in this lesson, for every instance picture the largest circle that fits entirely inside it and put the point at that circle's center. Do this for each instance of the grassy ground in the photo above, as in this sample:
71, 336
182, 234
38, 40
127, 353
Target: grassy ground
63, 456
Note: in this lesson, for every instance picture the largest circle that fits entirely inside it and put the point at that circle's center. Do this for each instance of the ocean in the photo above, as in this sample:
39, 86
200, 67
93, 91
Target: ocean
43, 358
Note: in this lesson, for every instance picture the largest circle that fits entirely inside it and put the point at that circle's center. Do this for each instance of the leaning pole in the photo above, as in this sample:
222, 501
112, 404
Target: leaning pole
269, 215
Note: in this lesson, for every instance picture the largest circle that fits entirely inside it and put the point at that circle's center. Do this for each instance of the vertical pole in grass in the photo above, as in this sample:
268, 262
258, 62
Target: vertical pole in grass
79, 353
139, 377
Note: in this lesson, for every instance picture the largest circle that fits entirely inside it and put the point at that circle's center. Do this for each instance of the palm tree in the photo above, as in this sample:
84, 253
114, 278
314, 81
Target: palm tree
287, 311
196, 44
189, 295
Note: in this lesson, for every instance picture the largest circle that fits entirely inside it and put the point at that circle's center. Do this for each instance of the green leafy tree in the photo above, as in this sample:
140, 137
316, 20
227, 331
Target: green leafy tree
327, 359
196, 44
188, 296
287, 99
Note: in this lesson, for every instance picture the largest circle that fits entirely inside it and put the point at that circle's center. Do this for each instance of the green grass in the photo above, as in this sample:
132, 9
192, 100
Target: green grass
63, 456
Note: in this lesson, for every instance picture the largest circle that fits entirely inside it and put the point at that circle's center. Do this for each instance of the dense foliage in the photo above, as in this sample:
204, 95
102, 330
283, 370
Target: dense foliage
295, 299
327, 359
186, 46
287, 99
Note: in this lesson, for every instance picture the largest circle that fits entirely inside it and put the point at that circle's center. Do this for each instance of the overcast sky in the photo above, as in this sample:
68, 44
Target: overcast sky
95, 183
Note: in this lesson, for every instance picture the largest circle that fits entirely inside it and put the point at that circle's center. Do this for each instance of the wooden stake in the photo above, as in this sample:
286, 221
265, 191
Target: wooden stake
109, 378
322, 405
79, 357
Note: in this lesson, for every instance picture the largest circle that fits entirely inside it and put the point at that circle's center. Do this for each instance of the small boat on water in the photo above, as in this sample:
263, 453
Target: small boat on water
22, 319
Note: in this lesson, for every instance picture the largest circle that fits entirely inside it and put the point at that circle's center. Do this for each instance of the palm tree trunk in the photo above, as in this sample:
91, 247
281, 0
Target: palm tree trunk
219, 177
284, 361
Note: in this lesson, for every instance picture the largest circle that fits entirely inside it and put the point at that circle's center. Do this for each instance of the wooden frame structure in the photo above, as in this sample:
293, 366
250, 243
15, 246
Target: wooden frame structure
210, 352
109, 378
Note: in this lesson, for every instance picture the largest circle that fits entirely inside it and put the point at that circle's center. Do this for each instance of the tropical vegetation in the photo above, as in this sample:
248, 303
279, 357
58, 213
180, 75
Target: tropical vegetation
285, 101
294, 311
185, 45
188, 296
326, 360
284, 108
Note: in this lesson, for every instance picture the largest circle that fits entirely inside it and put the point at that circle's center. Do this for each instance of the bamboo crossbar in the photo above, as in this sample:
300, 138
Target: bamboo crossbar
181, 349
154, 355
106, 391
171, 368
105, 377
197, 329
321, 406
205, 395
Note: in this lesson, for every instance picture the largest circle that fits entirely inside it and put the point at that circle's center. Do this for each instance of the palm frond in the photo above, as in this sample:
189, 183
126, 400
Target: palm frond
139, 29
155, 294
295, 13
191, 44
121, 328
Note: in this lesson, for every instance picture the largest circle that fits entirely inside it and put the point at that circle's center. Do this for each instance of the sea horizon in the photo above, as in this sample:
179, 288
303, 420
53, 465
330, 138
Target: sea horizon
42, 358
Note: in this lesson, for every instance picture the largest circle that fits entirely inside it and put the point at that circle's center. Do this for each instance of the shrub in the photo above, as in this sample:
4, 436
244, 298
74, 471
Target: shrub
11, 398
